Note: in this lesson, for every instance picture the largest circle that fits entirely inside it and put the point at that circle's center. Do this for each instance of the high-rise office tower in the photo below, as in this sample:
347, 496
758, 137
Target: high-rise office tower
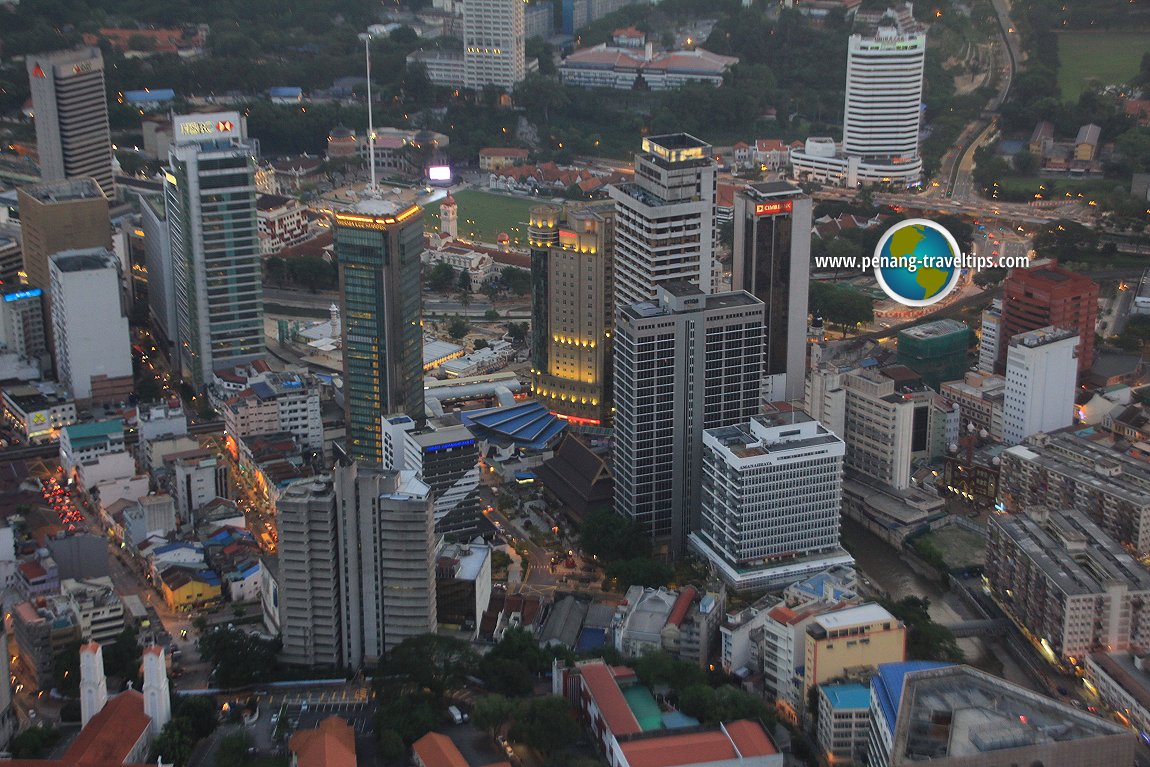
158, 261
772, 262
884, 96
494, 43
70, 106
23, 331
1041, 375
387, 559
573, 310
684, 363
882, 112
444, 454
56, 216
90, 325
771, 500
210, 200
1049, 295
379, 246
665, 219
309, 575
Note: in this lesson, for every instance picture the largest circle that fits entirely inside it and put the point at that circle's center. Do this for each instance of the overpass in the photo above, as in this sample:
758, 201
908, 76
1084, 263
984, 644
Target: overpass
993, 627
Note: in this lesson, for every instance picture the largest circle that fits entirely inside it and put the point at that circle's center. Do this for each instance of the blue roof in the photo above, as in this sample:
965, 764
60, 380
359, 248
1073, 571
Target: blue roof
149, 96
847, 696
288, 91
79, 431
528, 425
263, 390
673, 720
590, 639
888, 684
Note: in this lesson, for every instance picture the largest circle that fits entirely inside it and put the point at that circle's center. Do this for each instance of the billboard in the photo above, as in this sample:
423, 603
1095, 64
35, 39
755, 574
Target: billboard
212, 126
772, 208
439, 174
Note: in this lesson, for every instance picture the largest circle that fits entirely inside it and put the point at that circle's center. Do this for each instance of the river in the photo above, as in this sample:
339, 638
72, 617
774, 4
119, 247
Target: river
881, 565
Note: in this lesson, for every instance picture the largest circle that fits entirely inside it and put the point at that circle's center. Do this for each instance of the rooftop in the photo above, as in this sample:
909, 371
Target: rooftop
739, 740
86, 260
1042, 337
55, 192
854, 616
936, 329
331, 744
770, 189
601, 684
847, 696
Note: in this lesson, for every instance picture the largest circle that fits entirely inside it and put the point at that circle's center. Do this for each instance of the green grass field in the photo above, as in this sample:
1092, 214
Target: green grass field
483, 215
1058, 187
959, 547
1108, 57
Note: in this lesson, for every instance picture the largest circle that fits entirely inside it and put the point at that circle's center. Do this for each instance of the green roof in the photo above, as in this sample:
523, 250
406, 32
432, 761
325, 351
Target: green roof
644, 707
85, 434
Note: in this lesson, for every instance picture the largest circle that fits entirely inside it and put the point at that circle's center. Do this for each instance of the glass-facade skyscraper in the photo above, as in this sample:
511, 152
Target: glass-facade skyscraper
379, 246
210, 200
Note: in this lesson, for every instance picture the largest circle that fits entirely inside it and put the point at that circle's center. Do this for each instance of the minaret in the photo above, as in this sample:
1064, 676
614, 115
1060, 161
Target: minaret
93, 683
333, 312
449, 218
157, 700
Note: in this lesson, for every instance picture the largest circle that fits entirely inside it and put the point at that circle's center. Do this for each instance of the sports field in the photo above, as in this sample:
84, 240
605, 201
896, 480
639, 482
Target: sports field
1110, 58
483, 215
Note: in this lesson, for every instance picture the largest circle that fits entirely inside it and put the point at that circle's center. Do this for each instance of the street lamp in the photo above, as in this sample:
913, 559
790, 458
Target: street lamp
367, 38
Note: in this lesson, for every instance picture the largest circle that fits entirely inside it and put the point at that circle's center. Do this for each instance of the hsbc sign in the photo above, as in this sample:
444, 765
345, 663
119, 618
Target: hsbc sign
207, 127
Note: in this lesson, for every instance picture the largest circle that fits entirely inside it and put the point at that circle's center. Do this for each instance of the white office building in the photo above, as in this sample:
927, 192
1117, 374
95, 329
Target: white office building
1041, 373
882, 112
93, 345
277, 402
771, 500
665, 219
386, 547
989, 336
683, 363
70, 103
210, 198
494, 43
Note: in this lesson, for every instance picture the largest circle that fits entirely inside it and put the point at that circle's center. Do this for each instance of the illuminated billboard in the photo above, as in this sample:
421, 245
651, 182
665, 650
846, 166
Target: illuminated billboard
439, 174
207, 127
772, 208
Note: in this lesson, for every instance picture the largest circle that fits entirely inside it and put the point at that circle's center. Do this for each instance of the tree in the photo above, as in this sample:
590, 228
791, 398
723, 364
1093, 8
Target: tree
517, 280
506, 676
491, 315
428, 663
517, 331
841, 304
441, 276
457, 327
926, 640
659, 668
233, 750
546, 724
174, 744
479, 344
239, 658
492, 713
34, 742
1025, 163
312, 272
612, 536
199, 711
642, 571
464, 280
990, 276
410, 715
275, 270
391, 747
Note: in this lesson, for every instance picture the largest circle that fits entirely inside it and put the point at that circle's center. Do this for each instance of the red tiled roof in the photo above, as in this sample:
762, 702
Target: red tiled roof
627, 32
437, 750
770, 145
332, 744
682, 605
781, 614
32, 570
111, 734
601, 685
743, 739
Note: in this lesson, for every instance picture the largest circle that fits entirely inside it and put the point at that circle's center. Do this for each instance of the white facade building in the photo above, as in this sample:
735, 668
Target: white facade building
1041, 374
665, 219
989, 336
771, 500
93, 345
494, 43
277, 402
198, 480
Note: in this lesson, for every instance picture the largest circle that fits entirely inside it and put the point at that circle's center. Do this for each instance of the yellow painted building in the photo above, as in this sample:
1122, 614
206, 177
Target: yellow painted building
184, 588
862, 636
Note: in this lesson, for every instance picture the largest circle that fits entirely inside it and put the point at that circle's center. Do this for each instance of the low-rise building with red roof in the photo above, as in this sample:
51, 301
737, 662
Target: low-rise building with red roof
331, 744
632, 731
493, 158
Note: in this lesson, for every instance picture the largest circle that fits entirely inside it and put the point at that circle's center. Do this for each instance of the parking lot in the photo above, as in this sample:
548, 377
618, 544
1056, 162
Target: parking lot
284, 714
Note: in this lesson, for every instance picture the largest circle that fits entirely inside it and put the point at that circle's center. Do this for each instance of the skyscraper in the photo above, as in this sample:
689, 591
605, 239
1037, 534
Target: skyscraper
309, 575
573, 310
70, 105
771, 500
93, 344
882, 111
665, 219
379, 246
1049, 295
494, 43
772, 262
387, 556
684, 363
210, 200
56, 216
1041, 374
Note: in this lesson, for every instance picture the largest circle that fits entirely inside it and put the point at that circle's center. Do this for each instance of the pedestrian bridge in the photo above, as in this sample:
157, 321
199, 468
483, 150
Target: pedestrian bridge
996, 627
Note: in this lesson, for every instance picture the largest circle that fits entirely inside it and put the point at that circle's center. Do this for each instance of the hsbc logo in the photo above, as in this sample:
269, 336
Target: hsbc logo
225, 126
